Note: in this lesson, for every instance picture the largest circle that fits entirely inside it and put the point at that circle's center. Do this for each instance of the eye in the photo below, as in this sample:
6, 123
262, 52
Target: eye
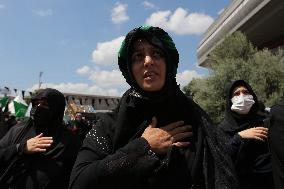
237, 93
245, 92
157, 53
137, 57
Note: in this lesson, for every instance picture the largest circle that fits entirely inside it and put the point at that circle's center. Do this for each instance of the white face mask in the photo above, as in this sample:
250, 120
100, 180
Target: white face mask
242, 103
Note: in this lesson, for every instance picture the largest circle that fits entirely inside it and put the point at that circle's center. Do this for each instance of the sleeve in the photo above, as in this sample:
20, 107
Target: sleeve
234, 145
98, 167
8, 150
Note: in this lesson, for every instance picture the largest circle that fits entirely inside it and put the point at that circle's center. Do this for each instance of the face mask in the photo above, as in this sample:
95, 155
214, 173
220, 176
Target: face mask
242, 103
41, 116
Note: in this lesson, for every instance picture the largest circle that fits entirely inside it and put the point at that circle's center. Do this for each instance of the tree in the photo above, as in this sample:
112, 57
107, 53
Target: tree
236, 58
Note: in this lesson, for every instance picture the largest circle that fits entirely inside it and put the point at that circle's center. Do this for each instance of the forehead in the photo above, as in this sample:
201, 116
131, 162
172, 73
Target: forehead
141, 43
239, 88
41, 100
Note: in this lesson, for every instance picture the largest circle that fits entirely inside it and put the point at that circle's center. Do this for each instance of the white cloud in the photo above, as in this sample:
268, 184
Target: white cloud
107, 83
81, 88
103, 78
118, 13
106, 52
85, 70
148, 5
2, 6
180, 22
186, 76
44, 13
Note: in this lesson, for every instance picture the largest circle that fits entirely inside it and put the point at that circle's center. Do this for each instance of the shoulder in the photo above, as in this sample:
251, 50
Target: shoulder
99, 138
277, 109
191, 106
11, 136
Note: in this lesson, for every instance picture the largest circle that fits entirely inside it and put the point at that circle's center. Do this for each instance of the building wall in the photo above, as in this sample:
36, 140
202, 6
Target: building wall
97, 102
260, 20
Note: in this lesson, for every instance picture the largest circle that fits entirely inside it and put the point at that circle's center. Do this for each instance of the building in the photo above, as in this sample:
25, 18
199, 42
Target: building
261, 21
97, 102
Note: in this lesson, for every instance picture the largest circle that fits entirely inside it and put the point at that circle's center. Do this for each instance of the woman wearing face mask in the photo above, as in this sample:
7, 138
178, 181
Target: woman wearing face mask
246, 131
157, 138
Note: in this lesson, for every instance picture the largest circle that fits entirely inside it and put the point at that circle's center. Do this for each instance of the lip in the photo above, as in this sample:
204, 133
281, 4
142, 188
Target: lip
150, 74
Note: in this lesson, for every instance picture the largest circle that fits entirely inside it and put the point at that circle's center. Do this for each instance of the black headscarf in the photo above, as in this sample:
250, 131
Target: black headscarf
234, 122
56, 103
158, 38
107, 149
137, 107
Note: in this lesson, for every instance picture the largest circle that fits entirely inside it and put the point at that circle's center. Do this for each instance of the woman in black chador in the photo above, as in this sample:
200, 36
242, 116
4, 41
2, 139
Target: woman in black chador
246, 128
156, 137
39, 153
276, 141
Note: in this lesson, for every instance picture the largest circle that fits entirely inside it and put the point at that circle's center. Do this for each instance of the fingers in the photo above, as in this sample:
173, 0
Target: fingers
45, 145
261, 132
154, 122
181, 129
39, 150
261, 128
258, 138
181, 136
45, 139
38, 144
257, 133
38, 136
173, 125
181, 144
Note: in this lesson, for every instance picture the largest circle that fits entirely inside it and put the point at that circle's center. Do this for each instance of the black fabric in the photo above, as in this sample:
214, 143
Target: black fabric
251, 157
276, 141
113, 154
50, 169
56, 103
82, 128
3, 126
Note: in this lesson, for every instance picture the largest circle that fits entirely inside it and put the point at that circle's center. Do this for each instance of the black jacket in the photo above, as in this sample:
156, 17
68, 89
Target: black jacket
276, 141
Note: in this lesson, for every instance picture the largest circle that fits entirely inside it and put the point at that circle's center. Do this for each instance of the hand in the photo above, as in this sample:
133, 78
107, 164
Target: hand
38, 144
161, 139
257, 133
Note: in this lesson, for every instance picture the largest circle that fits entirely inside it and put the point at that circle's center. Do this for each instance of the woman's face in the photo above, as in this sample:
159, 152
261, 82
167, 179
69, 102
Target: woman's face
148, 66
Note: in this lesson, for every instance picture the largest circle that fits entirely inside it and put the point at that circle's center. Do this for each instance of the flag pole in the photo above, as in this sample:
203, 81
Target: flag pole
39, 79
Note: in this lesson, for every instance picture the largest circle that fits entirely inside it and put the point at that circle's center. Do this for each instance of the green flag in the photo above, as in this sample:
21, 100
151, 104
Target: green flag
18, 106
20, 109
4, 101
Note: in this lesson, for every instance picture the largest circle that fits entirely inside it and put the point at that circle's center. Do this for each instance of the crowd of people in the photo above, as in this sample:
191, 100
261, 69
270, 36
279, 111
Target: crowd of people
155, 138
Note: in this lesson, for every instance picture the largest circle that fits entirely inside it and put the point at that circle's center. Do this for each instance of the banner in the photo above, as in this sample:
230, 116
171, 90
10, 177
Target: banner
18, 106
4, 101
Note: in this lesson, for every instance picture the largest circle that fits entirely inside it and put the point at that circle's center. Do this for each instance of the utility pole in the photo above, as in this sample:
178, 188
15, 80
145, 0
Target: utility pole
39, 79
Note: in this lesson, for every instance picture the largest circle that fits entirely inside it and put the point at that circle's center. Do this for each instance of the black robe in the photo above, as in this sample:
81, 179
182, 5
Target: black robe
114, 155
251, 157
50, 169
276, 141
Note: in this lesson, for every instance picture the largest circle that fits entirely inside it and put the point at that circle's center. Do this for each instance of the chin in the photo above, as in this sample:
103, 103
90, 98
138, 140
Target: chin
152, 88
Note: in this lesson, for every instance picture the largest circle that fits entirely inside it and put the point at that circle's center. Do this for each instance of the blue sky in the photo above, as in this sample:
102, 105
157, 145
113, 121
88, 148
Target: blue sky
74, 42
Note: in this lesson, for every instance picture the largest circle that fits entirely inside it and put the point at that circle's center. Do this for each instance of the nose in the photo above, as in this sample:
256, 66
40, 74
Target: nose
148, 61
